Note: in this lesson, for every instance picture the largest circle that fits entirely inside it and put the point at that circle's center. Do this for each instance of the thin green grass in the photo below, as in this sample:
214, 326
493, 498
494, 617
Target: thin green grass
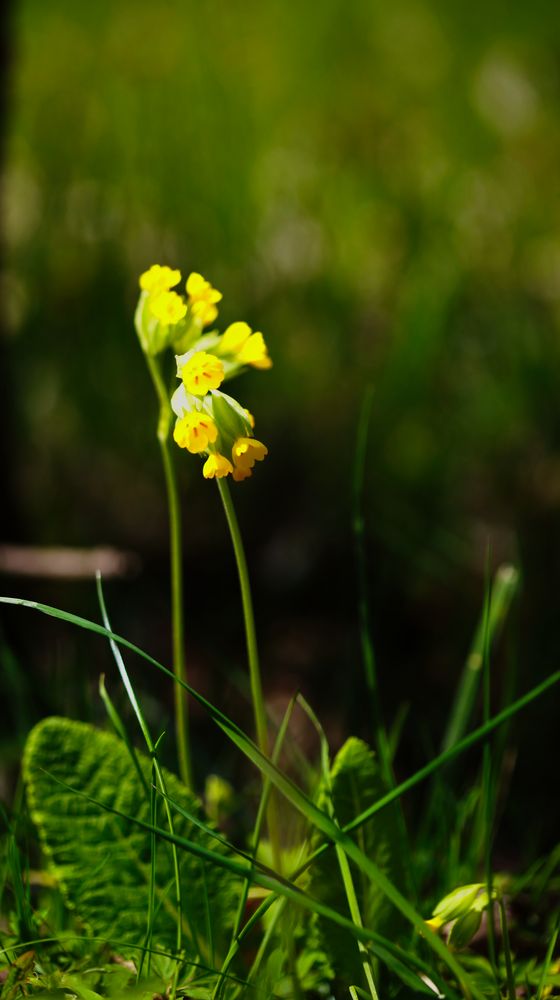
286, 888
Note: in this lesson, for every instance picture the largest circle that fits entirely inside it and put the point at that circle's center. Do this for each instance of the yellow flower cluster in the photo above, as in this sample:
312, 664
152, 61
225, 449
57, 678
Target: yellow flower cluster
209, 422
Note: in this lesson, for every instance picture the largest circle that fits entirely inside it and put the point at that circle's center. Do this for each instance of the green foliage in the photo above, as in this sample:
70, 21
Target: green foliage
101, 861
355, 784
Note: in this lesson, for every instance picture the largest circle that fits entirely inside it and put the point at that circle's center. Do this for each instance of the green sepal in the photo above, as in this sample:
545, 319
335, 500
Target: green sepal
154, 336
458, 902
465, 928
230, 417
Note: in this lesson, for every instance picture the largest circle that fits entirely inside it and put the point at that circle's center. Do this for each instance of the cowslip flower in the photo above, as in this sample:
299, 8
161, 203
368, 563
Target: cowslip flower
195, 431
244, 346
216, 466
167, 307
202, 299
246, 451
220, 427
201, 373
159, 278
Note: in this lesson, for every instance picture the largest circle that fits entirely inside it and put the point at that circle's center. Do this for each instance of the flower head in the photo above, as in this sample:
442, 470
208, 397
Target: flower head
167, 307
201, 373
202, 299
159, 279
195, 431
246, 451
216, 466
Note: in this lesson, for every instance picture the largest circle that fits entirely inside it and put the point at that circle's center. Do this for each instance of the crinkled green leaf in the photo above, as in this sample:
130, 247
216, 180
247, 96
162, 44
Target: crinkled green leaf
101, 861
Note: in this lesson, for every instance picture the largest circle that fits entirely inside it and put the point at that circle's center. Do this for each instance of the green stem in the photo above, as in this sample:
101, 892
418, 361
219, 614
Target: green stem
507, 950
253, 658
249, 618
175, 547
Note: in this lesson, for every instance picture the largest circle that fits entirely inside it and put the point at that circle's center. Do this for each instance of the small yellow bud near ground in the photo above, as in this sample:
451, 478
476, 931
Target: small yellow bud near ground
168, 307
216, 466
201, 373
159, 279
246, 451
194, 431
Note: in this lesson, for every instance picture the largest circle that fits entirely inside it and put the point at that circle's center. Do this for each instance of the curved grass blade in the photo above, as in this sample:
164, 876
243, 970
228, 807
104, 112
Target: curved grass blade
299, 799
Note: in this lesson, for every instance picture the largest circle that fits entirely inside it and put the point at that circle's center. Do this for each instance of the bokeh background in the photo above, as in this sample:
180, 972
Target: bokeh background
376, 188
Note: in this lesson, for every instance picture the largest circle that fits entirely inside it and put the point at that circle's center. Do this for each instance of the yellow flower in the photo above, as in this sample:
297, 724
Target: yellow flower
240, 474
168, 307
255, 352
233, 339
202, 372
202, 298
247, 348
250, 417
159, 279
246, 451
194, 431
216, 466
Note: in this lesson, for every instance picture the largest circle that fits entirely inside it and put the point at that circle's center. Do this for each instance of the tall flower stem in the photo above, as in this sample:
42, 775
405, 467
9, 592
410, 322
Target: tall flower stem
175, 546
249, 618
253, 658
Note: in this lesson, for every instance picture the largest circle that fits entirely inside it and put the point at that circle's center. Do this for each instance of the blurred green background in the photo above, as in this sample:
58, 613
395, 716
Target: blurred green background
376, 188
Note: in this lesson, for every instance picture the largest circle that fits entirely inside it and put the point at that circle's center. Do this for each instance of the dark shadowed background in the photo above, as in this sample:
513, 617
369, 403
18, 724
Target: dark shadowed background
376, 188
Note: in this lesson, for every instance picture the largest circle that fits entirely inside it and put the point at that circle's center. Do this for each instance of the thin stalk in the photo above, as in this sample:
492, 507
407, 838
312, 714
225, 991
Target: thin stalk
548, 960
257, 697
347, 880
353, 904
487, 775
249, 618
175, 548
504, 589
256, 836
152, 749
507, 950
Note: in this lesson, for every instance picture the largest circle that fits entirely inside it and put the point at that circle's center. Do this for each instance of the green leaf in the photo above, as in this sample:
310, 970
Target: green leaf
356, 784
102, 861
